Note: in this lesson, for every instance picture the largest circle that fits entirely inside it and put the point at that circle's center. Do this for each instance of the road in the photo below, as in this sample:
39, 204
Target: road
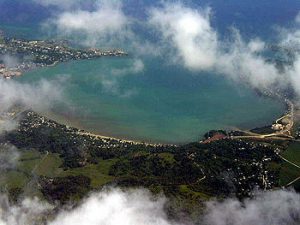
292, 182
284, 134
288, 161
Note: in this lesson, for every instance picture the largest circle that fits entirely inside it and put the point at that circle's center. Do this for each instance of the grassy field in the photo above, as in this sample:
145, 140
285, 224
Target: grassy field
98, 173
289, 172
293, 153
13, 179
33, 163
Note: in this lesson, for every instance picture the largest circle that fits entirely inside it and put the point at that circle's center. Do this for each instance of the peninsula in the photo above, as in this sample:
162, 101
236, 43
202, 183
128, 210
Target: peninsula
29, 54
62, 164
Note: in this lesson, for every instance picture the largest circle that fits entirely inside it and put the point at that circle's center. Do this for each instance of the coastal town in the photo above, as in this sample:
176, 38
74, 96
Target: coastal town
246, 162
30, 54
223, 163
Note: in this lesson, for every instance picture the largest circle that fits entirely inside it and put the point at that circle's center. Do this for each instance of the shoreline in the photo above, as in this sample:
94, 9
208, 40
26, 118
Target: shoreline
287, 111
83, 131
112, 137
98, 134
44, 53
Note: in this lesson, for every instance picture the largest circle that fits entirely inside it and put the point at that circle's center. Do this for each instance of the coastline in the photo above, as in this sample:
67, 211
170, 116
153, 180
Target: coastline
43, 53
288, 113
64, 120
108, 136
83, 131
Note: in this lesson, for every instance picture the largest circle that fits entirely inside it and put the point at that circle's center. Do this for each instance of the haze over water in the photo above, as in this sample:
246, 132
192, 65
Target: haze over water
162, 102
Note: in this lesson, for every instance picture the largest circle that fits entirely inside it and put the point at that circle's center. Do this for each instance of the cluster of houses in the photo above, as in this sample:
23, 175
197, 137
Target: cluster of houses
8, 73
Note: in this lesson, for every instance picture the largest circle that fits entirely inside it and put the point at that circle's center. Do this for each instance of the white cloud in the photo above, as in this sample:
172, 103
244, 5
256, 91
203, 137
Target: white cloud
117, 207
266, 208
7, 124
294, 74
28, 212
189, 32
114, 207
9, 156
256, 45
106, 24
139, 207
40, 96
194, 43
243, 63
187, 37
9, 61
291, 37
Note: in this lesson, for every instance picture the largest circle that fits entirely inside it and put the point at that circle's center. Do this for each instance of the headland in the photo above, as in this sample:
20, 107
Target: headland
30, 54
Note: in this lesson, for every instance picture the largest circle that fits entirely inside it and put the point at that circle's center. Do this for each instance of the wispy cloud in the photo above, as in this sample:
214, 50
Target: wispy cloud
117, 207
136, 207
266, 208
110, 81
9, 60
291, 37
140, 207
189, 33
105, 24
136, 67
27, 212
9, 156
195, 44
186, 37
40, 96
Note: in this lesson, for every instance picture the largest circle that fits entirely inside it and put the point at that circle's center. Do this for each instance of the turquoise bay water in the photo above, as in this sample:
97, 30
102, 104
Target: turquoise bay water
161, 104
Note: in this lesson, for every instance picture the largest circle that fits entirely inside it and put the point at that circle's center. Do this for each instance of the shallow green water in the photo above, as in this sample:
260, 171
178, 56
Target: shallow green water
161, 104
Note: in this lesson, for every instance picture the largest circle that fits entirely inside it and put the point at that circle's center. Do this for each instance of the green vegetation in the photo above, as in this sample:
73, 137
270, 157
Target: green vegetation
292, 153
288, 171
65, 189
40, 163
63, 164
194, 172
33, 163
13, 179
98, 173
